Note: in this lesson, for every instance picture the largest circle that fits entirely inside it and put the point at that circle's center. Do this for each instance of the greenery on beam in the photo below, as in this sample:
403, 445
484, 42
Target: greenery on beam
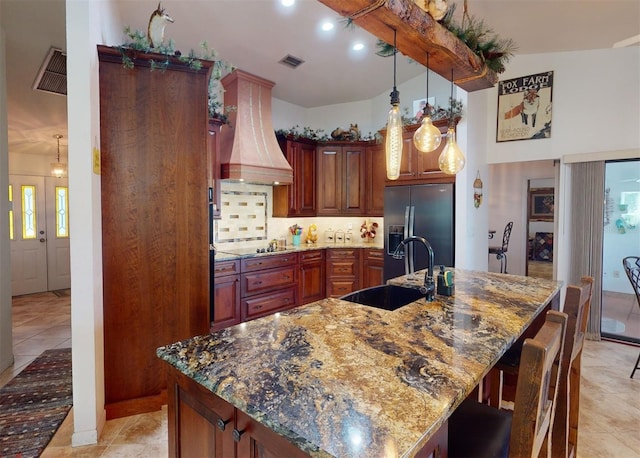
494, 51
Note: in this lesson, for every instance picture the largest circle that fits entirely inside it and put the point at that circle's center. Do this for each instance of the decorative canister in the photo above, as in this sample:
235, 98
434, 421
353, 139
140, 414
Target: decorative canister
329, 236
339, 236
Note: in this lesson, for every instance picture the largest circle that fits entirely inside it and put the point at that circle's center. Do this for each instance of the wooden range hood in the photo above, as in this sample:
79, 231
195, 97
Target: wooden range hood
249, 148
418, 34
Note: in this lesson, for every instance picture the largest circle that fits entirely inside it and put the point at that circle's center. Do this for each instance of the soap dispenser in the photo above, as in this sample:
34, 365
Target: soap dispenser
445, 282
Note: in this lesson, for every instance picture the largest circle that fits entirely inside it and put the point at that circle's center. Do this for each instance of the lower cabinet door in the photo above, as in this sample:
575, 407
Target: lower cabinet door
199, 423
257, 441
226, 302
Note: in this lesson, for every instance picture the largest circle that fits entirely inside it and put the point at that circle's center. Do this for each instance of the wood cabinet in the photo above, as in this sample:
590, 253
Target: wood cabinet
200, 424
267, 285
372, 267
298, 198
343, 271
155, 241
420, 167
203, 424
225, 309
311, 277
341, 179
375, 176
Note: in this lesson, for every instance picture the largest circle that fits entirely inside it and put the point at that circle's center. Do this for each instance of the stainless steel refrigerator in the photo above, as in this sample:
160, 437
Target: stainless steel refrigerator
425, 210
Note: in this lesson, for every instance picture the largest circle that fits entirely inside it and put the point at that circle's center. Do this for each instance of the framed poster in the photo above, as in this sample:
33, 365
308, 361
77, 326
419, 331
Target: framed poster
524, 107
541, 204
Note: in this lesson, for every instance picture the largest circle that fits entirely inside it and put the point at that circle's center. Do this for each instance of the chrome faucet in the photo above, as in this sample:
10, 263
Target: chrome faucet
429, 287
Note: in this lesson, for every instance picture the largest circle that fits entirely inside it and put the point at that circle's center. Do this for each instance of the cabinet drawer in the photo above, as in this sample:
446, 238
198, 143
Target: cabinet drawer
268, 262
341, 254
344, 268
267, 280
226, 268
338, 288
265, 304
374, 254
308, 256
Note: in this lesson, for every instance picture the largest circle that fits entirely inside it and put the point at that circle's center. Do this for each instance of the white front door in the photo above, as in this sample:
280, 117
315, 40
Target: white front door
39, 234
58, 262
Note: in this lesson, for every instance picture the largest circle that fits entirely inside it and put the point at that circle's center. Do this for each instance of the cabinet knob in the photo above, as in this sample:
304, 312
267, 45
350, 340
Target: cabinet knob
222, 423
237, 435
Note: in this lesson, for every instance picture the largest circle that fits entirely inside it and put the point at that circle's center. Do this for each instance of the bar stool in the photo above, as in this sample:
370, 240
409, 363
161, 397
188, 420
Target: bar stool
565, 428
501, 251
478, 430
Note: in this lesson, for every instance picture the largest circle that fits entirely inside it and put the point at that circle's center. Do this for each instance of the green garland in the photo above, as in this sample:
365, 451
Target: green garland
138, 41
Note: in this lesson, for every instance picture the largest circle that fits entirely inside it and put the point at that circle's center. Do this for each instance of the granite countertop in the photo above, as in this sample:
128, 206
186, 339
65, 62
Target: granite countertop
343, 379
230, 254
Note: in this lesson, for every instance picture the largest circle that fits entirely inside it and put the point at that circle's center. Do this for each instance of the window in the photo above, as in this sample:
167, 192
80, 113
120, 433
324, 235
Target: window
11, 223
62, 213
28, 212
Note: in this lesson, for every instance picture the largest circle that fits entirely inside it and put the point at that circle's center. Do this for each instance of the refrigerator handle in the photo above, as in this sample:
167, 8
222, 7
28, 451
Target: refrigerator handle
412, 221
407, 249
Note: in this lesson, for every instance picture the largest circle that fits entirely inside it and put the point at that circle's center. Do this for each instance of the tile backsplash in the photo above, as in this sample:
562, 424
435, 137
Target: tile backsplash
246, 215
247, 221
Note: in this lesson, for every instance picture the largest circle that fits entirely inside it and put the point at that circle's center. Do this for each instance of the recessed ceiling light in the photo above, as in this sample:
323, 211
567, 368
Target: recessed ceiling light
358, 47
327, 25
287, 2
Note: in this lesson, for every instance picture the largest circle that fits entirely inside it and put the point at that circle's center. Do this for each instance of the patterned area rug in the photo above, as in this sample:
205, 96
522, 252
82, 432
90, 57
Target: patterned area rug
34, 404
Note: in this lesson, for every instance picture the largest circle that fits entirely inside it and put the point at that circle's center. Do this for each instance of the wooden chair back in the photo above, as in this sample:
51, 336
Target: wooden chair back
565, 428
537, 388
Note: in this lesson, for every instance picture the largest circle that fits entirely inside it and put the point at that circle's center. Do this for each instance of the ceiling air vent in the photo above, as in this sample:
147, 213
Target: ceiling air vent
291, 61
52, 76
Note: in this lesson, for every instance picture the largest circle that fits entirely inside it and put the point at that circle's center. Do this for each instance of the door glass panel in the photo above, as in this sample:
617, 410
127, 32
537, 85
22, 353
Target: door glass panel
11, 223
28, 212
62, 213
620, 309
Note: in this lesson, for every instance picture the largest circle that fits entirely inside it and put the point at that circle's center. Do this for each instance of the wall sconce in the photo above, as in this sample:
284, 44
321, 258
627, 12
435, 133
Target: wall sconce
393, 141
477, 191
451, 160
428, 137
58, 169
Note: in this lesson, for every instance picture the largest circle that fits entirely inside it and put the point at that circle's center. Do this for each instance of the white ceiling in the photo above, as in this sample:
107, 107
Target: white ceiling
255, 34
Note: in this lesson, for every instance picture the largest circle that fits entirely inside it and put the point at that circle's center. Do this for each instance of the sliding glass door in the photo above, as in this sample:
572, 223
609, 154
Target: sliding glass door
620, 309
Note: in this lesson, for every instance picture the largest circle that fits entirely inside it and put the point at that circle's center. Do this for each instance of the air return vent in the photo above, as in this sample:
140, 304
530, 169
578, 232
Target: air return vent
291, 61
52, 76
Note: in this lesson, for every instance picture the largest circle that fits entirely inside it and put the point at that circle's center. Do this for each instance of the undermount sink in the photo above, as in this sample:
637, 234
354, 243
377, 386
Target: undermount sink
387, 297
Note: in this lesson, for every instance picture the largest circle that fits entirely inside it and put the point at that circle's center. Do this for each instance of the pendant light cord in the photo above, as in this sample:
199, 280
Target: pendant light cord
451, 100
395, 95
426, 110
58, 138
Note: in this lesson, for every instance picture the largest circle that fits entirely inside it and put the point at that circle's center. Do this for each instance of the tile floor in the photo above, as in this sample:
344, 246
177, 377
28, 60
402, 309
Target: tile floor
609, 417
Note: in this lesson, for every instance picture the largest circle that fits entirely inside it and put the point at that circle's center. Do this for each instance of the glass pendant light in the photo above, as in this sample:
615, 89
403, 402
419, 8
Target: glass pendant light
58, 169
428, 137
451, 160
393, 141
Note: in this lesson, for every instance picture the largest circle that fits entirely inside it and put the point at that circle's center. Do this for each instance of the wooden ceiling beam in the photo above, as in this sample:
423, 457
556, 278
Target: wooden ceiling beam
418, 34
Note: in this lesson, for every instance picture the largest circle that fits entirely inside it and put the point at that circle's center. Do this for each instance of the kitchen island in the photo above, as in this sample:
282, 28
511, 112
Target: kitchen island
334, 378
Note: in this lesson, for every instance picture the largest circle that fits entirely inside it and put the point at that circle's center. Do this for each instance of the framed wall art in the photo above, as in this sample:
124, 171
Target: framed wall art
541, 204
524, 107
418, 106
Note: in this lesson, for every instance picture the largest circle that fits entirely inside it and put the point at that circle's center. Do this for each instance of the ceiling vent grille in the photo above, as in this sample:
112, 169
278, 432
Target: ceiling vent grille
52, 76
291, 61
